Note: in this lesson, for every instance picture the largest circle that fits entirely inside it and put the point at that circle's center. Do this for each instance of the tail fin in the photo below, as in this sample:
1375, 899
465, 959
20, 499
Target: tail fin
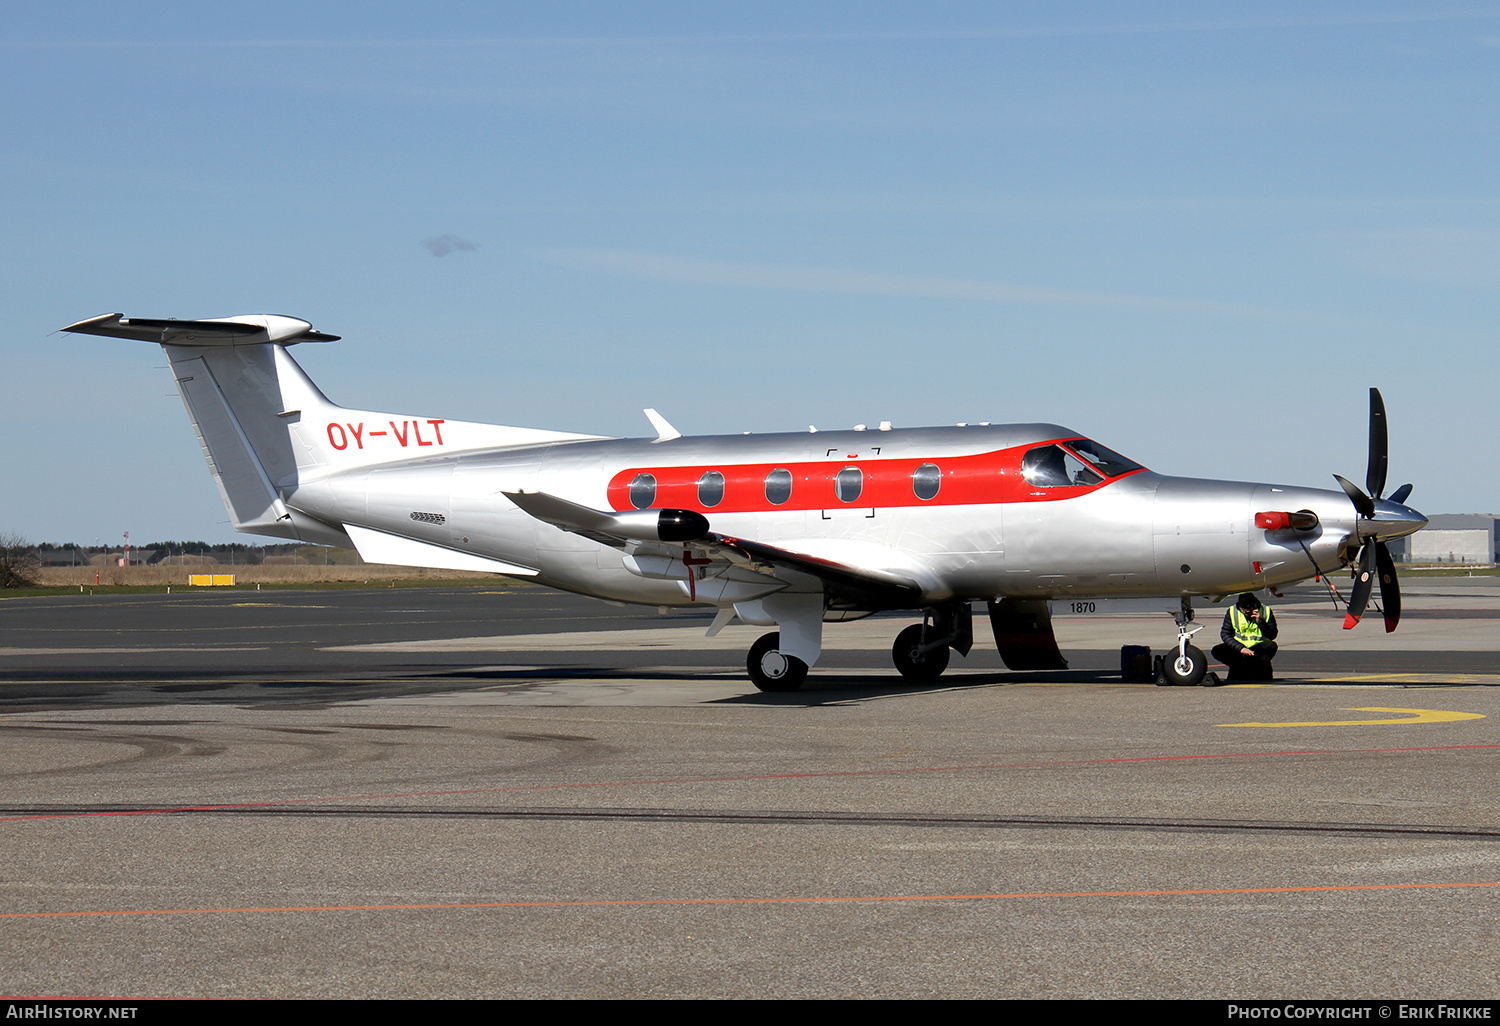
265, 427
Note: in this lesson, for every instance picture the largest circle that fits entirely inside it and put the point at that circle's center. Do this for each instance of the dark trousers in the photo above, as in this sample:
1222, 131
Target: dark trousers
1243, 667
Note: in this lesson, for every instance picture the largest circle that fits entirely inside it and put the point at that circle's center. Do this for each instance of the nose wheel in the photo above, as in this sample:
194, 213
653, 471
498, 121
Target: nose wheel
1186, 668
771, 669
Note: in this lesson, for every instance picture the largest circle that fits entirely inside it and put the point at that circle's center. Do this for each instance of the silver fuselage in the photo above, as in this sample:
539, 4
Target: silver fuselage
1144, 534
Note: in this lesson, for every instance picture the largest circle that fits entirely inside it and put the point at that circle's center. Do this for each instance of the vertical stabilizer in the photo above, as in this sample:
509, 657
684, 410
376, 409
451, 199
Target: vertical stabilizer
265, 428
240, 467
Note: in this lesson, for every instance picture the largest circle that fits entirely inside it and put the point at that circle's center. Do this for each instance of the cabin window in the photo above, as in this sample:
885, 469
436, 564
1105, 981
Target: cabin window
1106, 461
926, 480
778, 486
643, 491
711, 488
848, 483
1052, 466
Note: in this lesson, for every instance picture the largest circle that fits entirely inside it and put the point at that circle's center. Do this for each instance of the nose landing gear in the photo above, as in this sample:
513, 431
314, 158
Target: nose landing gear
1186, 665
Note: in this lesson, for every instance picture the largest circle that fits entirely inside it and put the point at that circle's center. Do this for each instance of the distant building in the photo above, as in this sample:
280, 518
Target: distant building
138, 557
70, 556
1453, 538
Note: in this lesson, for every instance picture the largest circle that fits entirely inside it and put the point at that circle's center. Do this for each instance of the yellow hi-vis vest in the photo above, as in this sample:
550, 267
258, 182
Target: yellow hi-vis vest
1246, 631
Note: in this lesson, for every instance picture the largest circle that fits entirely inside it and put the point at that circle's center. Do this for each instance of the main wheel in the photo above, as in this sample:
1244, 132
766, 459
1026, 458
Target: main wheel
771, 669
923, 669
1185, 670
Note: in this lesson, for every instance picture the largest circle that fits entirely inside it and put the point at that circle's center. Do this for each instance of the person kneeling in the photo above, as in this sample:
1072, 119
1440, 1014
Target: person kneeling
1249, 636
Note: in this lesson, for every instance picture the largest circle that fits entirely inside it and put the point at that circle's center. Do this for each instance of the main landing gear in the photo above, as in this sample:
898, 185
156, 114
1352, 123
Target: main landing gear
771, 669
921, 651
919, 660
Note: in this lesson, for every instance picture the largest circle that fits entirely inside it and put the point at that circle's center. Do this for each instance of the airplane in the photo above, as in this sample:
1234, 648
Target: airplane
780, 530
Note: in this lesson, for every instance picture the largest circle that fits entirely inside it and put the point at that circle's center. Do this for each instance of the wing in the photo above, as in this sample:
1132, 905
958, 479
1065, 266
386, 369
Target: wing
857, 582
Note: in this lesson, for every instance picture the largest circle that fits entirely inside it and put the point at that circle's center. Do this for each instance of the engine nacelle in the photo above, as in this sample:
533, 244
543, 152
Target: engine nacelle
659, 525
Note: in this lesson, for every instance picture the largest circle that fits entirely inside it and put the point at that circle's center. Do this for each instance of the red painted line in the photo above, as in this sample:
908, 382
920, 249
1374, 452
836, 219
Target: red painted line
815, 900
287, 802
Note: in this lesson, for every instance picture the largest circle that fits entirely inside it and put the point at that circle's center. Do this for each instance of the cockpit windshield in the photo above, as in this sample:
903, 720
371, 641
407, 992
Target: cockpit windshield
1052, 466
1078, 462
1108, 462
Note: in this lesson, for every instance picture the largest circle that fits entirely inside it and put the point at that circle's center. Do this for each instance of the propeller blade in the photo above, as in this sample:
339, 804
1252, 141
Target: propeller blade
1400, 494
1363, 504
1359, 597
1379, 442
1390, 590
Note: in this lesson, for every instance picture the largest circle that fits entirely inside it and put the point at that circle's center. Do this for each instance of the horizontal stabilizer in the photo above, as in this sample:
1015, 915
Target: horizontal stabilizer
255, 329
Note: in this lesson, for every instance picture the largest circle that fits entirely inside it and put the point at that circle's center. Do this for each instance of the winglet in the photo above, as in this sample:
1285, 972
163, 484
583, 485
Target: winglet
664, 432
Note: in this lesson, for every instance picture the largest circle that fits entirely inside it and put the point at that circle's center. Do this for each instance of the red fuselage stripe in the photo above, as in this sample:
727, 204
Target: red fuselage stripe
990, 477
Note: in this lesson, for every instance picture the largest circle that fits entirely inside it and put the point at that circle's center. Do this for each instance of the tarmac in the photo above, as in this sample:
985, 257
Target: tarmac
509, 792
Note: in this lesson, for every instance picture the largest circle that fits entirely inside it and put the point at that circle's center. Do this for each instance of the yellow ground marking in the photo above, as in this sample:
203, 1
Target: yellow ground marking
1420, 716
1416, 678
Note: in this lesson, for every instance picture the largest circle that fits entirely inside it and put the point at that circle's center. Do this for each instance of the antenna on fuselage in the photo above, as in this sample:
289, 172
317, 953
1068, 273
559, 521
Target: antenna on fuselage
665, 432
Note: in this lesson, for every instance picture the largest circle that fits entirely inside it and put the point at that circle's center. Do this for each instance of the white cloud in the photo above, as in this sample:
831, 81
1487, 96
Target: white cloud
857, 283
1451, 255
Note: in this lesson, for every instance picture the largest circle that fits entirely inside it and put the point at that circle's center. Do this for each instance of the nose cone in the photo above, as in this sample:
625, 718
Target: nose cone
1392, 520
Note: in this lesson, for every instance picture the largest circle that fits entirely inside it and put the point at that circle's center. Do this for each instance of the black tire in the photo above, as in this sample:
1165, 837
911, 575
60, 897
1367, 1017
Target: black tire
923, 669
772, 670
1184, 673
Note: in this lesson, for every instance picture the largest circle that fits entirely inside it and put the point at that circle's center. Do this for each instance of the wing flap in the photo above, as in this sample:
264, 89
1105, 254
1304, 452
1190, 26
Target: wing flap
861, 585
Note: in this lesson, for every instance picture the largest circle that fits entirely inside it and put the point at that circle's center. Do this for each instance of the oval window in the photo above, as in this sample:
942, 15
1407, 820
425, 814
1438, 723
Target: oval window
848, 483
778, 486
711, 488
643, 491
926, 480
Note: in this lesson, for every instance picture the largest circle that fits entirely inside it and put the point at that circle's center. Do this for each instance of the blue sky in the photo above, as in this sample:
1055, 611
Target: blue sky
1198, 232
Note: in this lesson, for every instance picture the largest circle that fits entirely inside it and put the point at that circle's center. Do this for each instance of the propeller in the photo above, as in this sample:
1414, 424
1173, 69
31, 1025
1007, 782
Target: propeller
1375, 562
